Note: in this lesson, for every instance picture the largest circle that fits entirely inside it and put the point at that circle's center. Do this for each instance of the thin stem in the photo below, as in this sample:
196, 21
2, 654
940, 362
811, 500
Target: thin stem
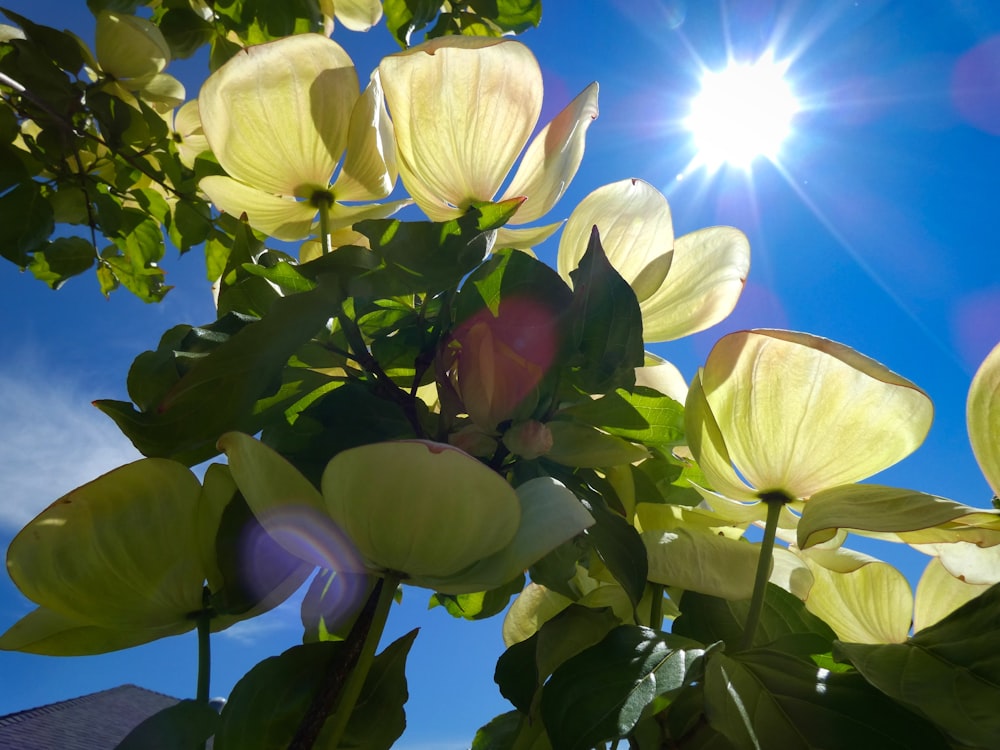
324, 224
656, 609
775, 502
336, 699
204, 651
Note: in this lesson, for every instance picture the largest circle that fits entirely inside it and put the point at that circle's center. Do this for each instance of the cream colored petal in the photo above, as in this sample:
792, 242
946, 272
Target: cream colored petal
342, 216
970, 562
163, 92
369, 170
791, 573
129, 48
663, 377
526, 238
983, 417
463, 108
532, 608
552, 158
705, 280
801, 413
276, 115
939, 593
870, 604
358, 15
187, 127
702, 561
709, 447
636, 230
281, 218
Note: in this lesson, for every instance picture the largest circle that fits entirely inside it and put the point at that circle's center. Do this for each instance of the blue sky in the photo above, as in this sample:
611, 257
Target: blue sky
874, 228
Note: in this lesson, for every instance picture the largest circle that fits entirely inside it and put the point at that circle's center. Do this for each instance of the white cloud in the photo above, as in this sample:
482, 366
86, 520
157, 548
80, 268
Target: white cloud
53, 439
283, 618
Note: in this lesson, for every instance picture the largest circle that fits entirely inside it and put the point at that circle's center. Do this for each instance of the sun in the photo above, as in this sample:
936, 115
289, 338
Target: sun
742, 112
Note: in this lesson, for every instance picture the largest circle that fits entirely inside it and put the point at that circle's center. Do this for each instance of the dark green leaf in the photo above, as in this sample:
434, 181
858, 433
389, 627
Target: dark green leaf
607, 323
763, 699
619, 546
221, 391
510, 15
710, 619
184, 30
600, 694
517, 673
240, 291
26, 221
283, 274
190, 224
62, 258
63, 48
949, 672
183, 726
404, 17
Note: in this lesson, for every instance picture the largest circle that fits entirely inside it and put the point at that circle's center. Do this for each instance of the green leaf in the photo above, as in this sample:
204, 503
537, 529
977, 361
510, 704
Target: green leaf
510, 15
480, 605
185, 31
517, 673
641, 414
26, 221
184, 725
949, 672
61, 259
404, 17
267, 705
189, 224
63, 48
221, 391
239, 290
600, 694
283, 274
325, 613
763, 699
608, 323
502, 731
710, 619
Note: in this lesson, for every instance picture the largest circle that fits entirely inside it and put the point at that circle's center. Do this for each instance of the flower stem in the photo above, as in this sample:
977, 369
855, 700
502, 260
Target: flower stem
336, 699
324, 226
774, 502
204, 651
656, 606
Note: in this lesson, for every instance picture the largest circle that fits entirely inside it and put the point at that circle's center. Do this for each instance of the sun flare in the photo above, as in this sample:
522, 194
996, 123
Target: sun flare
742, 112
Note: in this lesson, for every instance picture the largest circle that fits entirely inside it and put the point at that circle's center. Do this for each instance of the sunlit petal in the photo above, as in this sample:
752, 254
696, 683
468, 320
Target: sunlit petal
696, 560
276, 115
636, 230
552, 158
281, 218
706, 278
463, 108
800, 413
369, 170
187, 127
983, 417
664, 377
433, 513
939, 593
871, 603
84, 555
526, 238
358, 15
130, 48
342, 216
968, 561
709, 447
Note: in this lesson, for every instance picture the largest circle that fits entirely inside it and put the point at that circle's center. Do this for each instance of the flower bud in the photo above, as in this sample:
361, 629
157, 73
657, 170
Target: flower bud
529, 439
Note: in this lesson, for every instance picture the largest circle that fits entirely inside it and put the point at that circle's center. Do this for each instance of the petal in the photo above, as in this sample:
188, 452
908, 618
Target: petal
342, 216
939, 593
702, 561
870, 507
664, 377
708, 446
532, 608
187, 127
869, 604
552, 158
358, 15
419, 508
636, 230
45, 631
791, 573
706, 277
801, 413
129, 47
550, 515
369, 170
463, 108
524, 239
983, 417
121, 551
276, 115
968, 561
281, 218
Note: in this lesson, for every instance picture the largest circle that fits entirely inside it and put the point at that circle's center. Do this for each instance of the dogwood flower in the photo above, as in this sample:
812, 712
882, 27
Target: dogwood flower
683, 286
463, 109
278, 117
791, 414
356, 15
425, 511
